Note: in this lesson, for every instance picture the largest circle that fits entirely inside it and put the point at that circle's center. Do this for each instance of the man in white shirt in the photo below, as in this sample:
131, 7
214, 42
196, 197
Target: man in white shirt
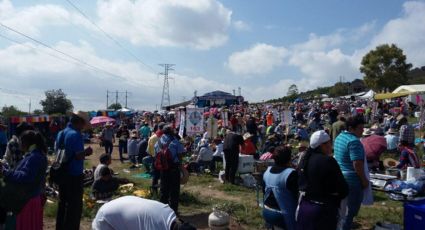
130, 212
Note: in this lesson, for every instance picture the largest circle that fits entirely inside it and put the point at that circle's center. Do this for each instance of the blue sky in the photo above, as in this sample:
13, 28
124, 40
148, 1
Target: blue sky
261, 46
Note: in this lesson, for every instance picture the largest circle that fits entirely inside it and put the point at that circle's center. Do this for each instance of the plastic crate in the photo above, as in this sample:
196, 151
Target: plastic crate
414, 215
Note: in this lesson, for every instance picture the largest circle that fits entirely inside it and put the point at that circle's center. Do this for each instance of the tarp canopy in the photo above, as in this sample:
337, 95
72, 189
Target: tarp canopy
383, 96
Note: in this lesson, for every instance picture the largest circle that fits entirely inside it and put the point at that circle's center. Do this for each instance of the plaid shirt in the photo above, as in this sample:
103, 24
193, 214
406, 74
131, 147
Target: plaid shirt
13, 154
407, 133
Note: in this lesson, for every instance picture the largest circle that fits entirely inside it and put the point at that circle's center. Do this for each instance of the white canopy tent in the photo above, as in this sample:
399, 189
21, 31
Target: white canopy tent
411, 89
369, 95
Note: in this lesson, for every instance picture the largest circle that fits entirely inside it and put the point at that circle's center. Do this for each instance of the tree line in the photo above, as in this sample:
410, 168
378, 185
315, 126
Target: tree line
384, 69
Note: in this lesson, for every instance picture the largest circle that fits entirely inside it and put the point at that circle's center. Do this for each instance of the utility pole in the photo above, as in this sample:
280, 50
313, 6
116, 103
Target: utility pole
126, 99
107, 99
118, 97
29, 109
240, 91
165, 100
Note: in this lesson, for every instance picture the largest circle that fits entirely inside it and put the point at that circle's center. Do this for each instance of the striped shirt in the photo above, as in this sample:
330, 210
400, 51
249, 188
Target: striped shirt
348, 148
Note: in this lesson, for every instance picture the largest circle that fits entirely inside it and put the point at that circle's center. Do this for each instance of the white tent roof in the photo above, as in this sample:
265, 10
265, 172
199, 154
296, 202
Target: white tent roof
410, 89
368, 95
124, 110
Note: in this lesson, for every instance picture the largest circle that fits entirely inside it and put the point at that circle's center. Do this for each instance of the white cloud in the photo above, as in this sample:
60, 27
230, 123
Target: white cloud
324, 67
200, 24
36, 71
241, 26
316, 43
29, 20
407, 32
259, 59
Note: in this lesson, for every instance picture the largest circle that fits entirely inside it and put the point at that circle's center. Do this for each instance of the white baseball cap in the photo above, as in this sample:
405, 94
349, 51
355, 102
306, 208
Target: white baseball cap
318, 138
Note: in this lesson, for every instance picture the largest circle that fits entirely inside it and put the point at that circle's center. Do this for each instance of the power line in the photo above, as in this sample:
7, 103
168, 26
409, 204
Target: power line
61, 52
109, 36
34, 48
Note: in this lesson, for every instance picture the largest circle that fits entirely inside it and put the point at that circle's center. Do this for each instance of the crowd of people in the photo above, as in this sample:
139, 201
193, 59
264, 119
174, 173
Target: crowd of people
321, 154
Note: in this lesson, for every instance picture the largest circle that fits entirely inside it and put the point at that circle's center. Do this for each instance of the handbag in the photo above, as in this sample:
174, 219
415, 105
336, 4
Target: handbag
59, 169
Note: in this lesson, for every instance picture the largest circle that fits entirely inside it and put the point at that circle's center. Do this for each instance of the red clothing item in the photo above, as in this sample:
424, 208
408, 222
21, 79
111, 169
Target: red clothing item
159, 133
31, 216
248, 148
269, 119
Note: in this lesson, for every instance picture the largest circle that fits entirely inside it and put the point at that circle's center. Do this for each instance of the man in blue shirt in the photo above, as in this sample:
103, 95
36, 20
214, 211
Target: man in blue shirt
71, 190
350, 155
170, 179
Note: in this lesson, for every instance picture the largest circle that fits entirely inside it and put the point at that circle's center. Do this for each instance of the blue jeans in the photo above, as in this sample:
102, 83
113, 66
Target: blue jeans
273, 218
354, 201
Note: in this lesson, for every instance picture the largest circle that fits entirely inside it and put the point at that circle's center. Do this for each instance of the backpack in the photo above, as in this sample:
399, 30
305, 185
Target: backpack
164, 158
59, 169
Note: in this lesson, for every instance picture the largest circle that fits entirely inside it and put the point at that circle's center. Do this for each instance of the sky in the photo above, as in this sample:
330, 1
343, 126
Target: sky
262, 46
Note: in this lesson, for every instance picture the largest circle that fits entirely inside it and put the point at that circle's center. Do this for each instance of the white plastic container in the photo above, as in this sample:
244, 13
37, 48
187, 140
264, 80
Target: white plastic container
246, 164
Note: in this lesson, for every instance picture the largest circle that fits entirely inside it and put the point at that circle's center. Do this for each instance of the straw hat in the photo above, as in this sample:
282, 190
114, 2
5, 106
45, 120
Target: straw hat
392, 131
133, 133
367, 132
247, 136
184, 175
390, 163
85, 117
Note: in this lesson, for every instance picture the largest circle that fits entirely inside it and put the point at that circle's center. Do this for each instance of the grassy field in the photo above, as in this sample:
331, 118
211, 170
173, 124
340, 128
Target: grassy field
203, 192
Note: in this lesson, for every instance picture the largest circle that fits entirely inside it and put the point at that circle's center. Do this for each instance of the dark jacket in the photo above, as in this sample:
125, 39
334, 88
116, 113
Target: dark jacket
321, 178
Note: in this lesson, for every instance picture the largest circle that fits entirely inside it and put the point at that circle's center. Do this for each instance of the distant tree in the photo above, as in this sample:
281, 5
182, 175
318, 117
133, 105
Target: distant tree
10, 111
56, 102
292, 90
115, 106
339, 89
38, 112
385, 67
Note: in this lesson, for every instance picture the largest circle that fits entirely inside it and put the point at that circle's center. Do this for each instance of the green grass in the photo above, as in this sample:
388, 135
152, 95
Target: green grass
383, 210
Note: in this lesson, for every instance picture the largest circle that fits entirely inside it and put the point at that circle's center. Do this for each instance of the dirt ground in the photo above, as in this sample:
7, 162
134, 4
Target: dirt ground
199, 220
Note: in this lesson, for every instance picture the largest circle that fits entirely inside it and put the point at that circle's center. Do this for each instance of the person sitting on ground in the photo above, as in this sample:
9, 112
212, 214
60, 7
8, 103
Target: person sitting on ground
105, 187
322, 184
218, 153
408, 157
205, 155
302, 134
280, 191
105, 161
130, 212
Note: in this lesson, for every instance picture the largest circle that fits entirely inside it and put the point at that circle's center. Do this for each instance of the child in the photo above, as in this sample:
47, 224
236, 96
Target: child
105, 187
105, 161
